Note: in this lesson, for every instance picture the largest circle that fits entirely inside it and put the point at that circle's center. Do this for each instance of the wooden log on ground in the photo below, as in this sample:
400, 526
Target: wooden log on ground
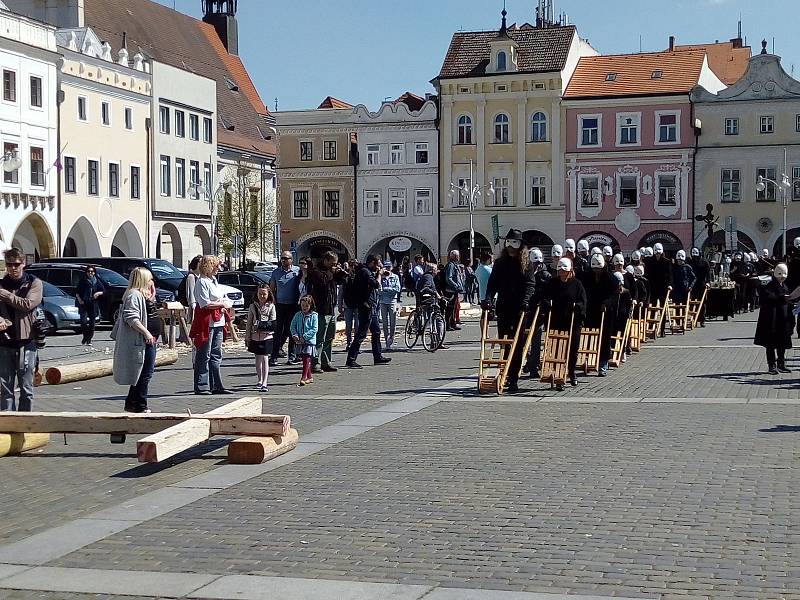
256, 450
16, 443
98, 368
183, 436
138, 423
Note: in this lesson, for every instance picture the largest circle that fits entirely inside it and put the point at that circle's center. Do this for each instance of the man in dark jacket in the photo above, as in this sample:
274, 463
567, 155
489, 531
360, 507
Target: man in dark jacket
659, 274
323, 281
537, 300
20, 296
366, 283
599, 285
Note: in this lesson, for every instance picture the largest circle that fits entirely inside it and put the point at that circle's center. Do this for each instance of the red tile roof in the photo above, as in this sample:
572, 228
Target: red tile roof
728, 61
412, 101
182, 41
633, 74
331, 102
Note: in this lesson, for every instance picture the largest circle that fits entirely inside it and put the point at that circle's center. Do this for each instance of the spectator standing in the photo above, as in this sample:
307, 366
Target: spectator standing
482, 274
135, 345
323, 281
20, 295
453, 287
87, 297
208, 327
303, 287
348, 306
191, 281
366, 284
388, 296
304, 334
258, 332
285, 286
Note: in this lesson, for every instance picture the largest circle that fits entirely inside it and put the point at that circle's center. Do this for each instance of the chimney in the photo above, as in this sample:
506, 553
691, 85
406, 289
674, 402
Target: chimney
672, 43
222, 15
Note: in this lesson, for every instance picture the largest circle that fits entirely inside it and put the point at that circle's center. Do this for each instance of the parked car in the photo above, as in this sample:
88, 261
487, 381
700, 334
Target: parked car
235, 295
59, 308
165, 274
246, 281
262, 265
67, 275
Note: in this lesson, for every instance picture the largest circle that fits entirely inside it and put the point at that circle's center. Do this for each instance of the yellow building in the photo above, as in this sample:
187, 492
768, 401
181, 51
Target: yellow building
104, 106
500, 106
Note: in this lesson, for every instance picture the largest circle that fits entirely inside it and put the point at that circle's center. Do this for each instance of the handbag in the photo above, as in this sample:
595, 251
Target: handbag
264, 325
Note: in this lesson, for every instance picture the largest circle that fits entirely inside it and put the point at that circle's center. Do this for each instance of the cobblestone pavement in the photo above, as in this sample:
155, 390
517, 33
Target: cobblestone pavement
688, 496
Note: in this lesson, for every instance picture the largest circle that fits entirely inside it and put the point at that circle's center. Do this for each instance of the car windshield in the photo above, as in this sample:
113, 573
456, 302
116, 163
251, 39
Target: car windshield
110, 277
162, 269
49, 290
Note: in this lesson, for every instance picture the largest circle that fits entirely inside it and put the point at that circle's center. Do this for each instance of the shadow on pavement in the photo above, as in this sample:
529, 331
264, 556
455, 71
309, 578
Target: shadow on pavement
782, 429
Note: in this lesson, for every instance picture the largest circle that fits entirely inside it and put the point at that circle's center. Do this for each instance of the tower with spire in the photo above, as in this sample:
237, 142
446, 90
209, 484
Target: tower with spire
503, 56
222, 15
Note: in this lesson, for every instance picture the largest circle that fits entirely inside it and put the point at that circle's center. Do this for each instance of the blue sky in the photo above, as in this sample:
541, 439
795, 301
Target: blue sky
363, 51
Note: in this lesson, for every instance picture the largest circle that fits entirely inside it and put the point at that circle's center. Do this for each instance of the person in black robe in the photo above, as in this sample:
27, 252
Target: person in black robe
683, 279
566, 300
513, 282
619, 308
775, 320
581, 263
541, 277
599, 285
702, 271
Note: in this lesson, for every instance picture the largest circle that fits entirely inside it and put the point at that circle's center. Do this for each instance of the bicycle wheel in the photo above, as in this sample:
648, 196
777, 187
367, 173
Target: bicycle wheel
433, 332
411, 332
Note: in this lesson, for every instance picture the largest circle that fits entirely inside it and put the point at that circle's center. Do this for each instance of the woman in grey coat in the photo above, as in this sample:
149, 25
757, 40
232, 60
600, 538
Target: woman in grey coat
135, 349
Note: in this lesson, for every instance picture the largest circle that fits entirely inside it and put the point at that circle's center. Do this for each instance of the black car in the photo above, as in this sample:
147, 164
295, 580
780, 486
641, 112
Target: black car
165, 275
67, 275
247, 281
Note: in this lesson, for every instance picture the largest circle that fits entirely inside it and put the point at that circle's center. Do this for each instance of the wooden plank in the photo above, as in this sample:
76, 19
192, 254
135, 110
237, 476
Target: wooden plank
15, 443
256, 450
172, 441
138, 423
98, 368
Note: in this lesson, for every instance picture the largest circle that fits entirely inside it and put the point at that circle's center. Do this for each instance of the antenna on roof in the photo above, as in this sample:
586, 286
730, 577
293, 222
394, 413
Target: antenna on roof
276, 104
640, 43
740, 27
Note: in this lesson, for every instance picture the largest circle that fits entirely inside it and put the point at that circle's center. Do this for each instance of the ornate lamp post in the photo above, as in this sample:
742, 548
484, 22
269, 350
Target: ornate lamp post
784, 185
470, 194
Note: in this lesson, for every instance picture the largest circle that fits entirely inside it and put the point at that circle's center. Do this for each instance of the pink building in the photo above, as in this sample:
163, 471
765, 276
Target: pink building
630, 148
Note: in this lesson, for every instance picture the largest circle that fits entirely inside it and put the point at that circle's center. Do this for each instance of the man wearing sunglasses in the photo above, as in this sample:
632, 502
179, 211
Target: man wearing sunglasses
20, 295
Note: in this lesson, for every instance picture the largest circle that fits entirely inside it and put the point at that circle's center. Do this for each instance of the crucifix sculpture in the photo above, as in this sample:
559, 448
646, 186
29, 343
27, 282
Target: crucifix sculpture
710, 220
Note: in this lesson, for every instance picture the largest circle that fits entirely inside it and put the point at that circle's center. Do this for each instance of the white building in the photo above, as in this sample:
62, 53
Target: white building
397, 178
28, 134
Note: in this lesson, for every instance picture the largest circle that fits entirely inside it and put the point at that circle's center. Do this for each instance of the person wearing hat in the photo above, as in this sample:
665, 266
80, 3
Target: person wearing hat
702, 271
513, 282
541, 277
775, 320
683, 279
565, 299
387, 296
556, 254
599, 286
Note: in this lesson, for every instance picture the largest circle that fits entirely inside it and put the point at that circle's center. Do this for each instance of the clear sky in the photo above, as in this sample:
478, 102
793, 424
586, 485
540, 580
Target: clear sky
363, 51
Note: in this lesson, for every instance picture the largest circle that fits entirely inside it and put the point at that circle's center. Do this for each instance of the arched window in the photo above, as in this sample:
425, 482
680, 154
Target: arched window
501, 61
539, 127
464, 129
501, 129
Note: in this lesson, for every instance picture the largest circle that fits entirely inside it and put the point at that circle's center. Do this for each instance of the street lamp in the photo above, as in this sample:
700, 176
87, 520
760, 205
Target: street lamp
784, 185
11, 161
471, 195
205, 190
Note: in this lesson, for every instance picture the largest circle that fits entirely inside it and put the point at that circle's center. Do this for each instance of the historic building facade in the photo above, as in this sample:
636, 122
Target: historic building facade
398, 179
317, 180
751, 128
630, 148
500, 129
28, 133
104, 110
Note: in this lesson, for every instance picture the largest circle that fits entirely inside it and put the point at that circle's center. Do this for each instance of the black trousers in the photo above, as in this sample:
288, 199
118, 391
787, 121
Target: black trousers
367, 322
87, 325
781, 356
284, 313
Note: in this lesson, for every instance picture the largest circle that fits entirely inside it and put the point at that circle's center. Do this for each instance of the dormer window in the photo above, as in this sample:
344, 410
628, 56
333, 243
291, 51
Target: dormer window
231, 84
502, 61
657, 74
611, 77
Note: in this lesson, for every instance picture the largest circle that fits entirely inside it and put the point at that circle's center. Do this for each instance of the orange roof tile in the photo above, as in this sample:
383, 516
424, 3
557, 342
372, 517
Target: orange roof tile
633, 74
727, 61
331, 102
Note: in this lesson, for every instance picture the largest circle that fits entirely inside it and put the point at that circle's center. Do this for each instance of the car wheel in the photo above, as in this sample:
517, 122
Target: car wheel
52, 320
115, 313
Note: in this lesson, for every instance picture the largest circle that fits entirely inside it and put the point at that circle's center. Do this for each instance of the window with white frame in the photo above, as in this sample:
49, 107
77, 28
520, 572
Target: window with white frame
502, 192
628, 191
372, 203
397, 203
331, 208
590, 191
766, 124
300, 204
539, 127
501, 129
460, 197
502, 61
166, 176
730, 185
396, 154
732, 126
82, 112
421, 153
180, 177
373, 154
194, 127
105, 113
113, 180
538, 191
93, 177
36, 91
667, 190
208, 132
180, 123
306, 151
329, 150
135, 182
422, 202
69, 174
37, 166
628, 128
768, 195
163, 119
206, 179
194, 179
667, 128
128, 118
464, 129
795, 183
590, 131
9, 85
797, 123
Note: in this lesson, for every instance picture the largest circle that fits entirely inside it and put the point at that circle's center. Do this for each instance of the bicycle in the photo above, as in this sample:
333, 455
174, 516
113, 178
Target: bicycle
427, 321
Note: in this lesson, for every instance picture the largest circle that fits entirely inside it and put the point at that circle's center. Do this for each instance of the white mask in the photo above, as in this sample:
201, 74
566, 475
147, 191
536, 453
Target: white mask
564, 264
583, 247
618, 260
557, 251
537, 256
569, 245
681, 255
781, 272
598, 262
658, 248
608, 251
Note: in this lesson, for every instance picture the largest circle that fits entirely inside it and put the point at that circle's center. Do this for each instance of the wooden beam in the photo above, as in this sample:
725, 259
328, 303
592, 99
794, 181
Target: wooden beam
15, 443
98, 368
256, 450
142, 423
